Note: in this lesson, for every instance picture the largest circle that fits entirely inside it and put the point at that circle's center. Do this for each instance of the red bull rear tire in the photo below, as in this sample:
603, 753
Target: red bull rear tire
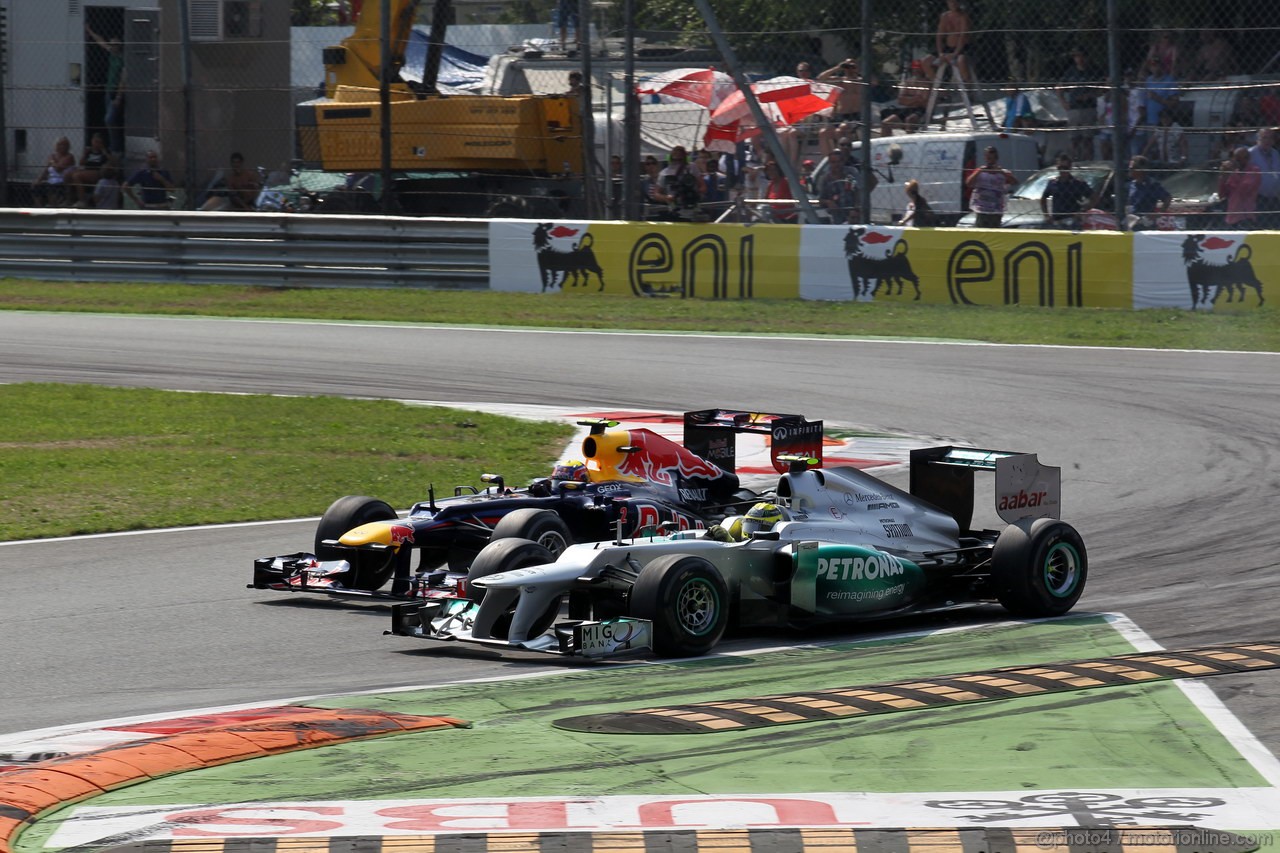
538, 525
505, 555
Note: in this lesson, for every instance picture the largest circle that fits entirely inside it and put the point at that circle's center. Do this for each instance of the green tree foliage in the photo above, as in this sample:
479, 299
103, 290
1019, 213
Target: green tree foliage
310, 13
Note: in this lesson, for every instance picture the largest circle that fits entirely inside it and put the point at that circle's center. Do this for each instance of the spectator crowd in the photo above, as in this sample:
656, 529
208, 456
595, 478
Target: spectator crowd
1154, 119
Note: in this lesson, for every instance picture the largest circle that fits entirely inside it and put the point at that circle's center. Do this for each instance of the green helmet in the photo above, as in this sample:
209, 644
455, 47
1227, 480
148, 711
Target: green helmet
763, 516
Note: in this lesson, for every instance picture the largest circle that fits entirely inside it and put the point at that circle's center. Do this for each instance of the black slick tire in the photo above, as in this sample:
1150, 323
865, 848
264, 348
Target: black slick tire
539, 525
369, 569
1039, 567
505, 555
687, 601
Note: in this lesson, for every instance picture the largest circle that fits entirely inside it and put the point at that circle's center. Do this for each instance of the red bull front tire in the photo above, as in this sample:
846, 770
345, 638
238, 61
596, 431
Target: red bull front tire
370, 570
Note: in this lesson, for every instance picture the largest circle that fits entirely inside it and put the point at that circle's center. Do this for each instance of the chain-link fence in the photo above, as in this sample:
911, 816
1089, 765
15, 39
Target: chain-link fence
1183, 83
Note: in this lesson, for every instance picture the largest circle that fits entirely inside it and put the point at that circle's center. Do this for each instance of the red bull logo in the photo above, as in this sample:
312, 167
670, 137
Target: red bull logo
401, 533
648, 515
660, 460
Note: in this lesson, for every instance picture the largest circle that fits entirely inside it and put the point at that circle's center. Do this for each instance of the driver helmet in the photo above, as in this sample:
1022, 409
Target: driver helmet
763, 516
570, 469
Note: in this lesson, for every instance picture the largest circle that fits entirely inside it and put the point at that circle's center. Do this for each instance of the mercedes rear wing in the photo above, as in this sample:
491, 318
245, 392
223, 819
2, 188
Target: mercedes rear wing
943, 476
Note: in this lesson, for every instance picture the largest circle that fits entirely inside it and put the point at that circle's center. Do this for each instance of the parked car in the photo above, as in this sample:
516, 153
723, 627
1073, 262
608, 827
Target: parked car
1022, 208
830, 545
1195, 205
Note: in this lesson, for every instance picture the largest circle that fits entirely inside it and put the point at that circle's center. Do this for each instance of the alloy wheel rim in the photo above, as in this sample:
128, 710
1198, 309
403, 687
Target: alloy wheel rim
697, 605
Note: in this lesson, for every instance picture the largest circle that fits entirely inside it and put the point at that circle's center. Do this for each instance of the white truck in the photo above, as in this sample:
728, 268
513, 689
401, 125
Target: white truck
939, 161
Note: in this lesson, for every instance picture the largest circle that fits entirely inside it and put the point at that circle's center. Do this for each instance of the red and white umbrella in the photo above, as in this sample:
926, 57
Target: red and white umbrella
788, 100
704, 86
783, 100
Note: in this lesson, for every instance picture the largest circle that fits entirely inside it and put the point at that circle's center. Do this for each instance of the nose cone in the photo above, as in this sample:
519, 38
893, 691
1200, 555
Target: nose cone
377, 533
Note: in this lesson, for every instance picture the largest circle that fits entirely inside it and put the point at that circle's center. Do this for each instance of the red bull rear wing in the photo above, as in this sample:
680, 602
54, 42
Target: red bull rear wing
712, 434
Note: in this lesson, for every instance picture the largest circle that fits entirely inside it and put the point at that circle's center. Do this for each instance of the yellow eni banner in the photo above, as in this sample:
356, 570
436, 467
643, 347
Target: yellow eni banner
962, 266
706, 261
957, 266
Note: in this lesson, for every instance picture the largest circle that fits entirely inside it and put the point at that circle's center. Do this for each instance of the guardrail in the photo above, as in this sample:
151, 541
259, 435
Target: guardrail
269, 249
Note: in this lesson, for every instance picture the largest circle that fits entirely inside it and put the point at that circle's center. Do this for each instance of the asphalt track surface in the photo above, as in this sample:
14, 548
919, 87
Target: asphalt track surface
1169, 471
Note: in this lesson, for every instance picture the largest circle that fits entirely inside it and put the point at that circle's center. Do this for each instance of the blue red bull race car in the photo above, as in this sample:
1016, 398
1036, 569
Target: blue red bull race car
626, 482
827, 546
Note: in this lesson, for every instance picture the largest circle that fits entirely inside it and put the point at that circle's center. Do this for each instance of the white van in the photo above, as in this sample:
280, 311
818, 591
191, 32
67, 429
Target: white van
939, 162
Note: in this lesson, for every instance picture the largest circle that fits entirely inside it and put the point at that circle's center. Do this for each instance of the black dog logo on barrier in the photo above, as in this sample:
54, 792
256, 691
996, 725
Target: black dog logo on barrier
556, 267
866, 272
1232, 275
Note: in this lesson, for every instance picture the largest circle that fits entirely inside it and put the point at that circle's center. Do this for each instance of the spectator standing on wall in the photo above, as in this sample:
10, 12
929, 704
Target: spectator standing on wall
1065, 197
1105, 122
846, 118
838, 191
1238, 187
1267, 159
1135, 112
846, 76
989, 184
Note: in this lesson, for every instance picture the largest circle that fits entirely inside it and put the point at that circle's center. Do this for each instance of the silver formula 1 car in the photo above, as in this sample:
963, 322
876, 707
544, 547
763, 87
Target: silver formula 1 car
847, 547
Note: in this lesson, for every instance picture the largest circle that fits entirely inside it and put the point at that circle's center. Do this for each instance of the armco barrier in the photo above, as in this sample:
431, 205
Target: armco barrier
269, 249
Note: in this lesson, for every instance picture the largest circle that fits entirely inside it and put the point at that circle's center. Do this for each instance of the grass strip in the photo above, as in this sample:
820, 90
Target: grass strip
1253, 330
78, 459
